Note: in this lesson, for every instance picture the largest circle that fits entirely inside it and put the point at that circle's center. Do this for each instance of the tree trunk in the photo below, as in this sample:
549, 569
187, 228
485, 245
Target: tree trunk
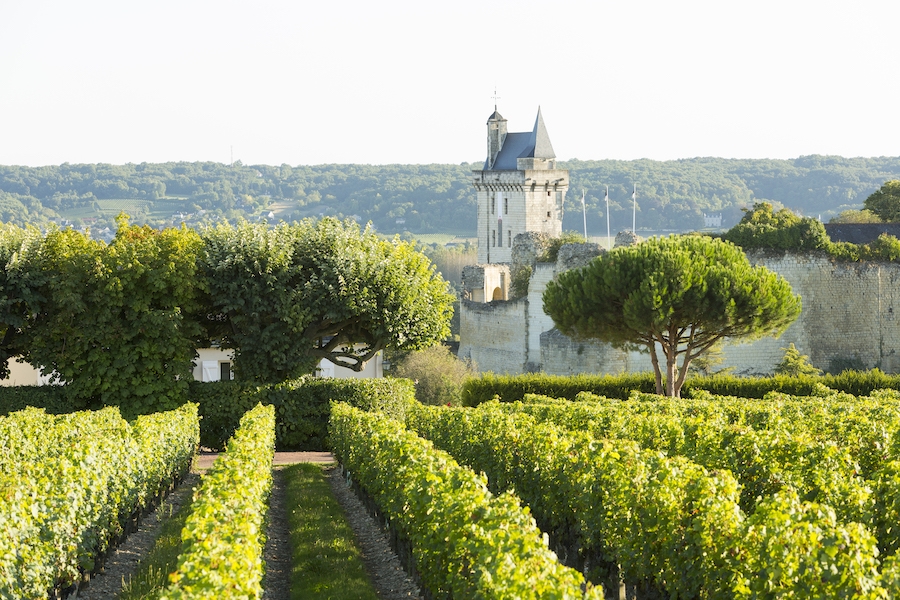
656, 370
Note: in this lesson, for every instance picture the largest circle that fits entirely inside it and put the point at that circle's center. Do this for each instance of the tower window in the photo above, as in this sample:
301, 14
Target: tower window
509, 238
548, 214
506, 206
493, 237
493, 206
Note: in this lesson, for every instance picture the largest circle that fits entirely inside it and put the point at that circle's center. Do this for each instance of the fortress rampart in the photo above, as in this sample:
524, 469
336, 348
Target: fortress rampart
847, 321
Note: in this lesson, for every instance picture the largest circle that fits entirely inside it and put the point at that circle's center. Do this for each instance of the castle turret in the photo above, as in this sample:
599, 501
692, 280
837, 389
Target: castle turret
496, 125
519, 189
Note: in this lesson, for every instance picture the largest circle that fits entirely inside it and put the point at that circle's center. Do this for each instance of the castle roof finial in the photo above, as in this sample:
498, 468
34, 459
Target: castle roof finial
495, 97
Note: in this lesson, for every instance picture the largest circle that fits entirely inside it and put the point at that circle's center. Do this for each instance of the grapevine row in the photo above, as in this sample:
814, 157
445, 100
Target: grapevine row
223, 536
817, 450
466, 542
69, 483
665, 520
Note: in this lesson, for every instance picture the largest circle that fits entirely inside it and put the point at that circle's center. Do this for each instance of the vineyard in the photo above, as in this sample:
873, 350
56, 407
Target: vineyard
712, 497
71, 485
723, 497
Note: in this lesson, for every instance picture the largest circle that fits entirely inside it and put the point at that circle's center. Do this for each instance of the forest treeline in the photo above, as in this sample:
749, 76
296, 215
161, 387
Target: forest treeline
671, 195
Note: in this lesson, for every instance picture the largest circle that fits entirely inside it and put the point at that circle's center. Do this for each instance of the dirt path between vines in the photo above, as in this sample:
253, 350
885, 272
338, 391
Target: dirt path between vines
387, 575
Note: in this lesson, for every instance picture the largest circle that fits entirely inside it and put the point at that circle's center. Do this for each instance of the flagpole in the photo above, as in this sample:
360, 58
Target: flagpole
607, 219
633, 208
584, 215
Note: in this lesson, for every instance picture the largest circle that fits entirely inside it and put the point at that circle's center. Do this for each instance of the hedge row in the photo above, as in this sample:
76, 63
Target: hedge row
69, 483
664, 520
466, 543
511, 388
223, 537
301, 406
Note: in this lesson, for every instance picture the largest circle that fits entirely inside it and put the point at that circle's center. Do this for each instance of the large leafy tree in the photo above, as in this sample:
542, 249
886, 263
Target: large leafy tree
885, 202
112, 321
677, 296
19, 288
764, 227
284, 298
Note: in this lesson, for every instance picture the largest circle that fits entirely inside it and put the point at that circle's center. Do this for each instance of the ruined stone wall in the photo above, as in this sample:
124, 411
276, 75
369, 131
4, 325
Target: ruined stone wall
492, 335
847, 320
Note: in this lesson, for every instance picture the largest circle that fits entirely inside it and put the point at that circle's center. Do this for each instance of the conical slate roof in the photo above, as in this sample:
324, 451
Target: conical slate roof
542, 146
528, 144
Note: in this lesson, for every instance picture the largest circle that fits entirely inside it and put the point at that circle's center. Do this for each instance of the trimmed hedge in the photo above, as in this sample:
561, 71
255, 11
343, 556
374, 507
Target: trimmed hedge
52, 398
511, 388
302, 406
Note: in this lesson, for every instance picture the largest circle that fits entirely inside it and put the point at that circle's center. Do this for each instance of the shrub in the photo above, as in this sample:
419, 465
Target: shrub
437, 373
795, 364
551, 252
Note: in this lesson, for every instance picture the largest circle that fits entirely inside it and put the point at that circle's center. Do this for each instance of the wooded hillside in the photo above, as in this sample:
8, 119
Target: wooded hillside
671, 195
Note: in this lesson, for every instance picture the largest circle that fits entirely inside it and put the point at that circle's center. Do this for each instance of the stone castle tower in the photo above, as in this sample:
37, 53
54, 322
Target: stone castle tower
519, 190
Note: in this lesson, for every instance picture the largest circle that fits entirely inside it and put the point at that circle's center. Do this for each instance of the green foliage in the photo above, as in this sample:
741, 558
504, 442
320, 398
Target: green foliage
762, 227
799, 550
519, 280
71, 481
551, 252
110, 321
794, 364
647, 484
18, 288
685, 293
885, 202
51, 398
856, 216
302, 406
512, 388
467, 542
289, 296
438, 374
224, 535
327, 561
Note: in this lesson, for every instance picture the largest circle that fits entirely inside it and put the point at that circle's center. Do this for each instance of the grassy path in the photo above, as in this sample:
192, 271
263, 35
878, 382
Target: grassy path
327, 562
312, 550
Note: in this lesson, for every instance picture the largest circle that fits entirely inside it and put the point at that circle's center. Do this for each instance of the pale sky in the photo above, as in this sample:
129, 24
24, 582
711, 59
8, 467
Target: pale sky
394, 81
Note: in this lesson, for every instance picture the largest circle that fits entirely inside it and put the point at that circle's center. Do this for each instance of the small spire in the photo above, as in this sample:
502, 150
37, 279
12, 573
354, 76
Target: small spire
495, 97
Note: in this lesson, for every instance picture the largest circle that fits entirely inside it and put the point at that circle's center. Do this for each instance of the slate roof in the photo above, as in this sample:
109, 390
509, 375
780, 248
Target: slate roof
531, 144
860, 233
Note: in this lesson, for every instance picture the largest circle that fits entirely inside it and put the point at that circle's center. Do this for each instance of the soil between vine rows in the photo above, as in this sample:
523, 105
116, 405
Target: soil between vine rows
383, 566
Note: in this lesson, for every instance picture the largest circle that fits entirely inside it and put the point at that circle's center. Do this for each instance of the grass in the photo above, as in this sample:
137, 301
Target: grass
327, 563
153, 571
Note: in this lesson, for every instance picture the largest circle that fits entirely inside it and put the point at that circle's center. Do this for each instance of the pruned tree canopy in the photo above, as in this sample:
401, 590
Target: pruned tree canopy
308, 290
681, 294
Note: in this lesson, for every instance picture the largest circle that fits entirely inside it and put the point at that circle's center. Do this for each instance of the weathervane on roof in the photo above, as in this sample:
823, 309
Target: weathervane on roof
495, 97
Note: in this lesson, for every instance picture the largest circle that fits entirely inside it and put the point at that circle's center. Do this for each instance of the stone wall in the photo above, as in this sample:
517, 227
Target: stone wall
847, 322
492, 335
847, 319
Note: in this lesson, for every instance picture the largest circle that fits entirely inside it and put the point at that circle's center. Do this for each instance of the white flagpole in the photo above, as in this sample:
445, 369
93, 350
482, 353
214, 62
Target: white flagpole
584, 215
607, 219
633, 208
